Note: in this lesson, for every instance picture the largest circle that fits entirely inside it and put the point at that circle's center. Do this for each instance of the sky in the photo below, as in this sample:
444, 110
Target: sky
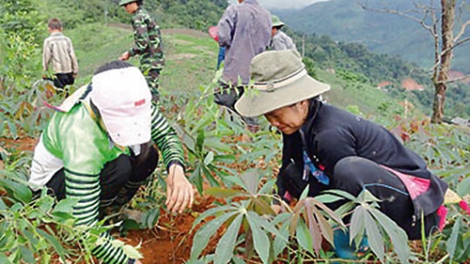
281, 4
287, 3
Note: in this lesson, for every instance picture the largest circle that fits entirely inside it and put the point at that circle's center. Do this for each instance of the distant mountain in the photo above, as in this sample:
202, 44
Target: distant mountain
345, 20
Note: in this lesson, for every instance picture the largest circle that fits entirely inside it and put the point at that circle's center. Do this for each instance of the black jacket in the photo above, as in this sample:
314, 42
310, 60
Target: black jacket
332, 134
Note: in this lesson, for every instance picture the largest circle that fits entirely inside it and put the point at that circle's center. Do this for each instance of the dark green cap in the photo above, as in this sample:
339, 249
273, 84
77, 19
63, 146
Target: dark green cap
276, 21
125, 2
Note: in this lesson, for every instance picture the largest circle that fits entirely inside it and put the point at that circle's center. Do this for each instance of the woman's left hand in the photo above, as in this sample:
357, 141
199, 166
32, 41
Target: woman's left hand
180, 192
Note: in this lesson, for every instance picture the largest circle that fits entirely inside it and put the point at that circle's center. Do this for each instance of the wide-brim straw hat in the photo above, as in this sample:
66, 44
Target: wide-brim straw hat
280, 79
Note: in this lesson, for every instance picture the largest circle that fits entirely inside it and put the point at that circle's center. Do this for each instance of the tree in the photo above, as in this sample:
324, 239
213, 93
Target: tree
429, 17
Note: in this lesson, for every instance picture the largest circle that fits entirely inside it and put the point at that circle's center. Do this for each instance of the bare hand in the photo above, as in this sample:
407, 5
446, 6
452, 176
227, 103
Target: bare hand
125, 56
137, 262
276, 208
180, 192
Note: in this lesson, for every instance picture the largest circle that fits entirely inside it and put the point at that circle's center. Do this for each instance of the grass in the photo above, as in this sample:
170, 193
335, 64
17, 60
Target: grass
191, 61
368, 99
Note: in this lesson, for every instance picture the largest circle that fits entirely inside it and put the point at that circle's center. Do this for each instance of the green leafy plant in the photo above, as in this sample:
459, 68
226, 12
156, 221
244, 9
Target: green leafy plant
248, 220
311, 221
368, 221
38, 229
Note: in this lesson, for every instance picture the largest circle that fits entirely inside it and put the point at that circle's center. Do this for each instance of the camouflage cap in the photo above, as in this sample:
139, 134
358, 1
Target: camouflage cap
276, 21
125, 2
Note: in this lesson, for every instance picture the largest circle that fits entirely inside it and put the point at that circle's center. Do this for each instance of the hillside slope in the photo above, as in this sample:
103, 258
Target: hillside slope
345, 20
191, 60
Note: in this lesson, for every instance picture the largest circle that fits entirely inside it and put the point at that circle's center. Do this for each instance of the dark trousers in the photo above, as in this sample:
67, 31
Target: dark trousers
152, 77
119, 179
227, 95
354, 174
62, 79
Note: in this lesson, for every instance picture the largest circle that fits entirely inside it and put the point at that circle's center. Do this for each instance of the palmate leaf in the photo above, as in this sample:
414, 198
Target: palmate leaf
45, 203
4, 259
260, 239
313, 227
151, 217
266, 225
209, 177
331, 214
341, 193
19, 191
328, 198
226, 245
303, 236
214, 143
188, 140
218, 192
212, 212
357, 226
260, 205
65, 205
209, 158
314, 214
280, 242
464, 187
451, 244
376, 241
59, 249
267, 187
325, 227
200, 142
251, 180
131, 252
396, 234
202, 236
237, 181
196, 178
225, 158
26, 255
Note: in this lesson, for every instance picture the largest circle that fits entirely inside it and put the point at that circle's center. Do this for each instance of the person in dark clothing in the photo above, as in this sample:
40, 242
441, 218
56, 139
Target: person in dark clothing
328, 148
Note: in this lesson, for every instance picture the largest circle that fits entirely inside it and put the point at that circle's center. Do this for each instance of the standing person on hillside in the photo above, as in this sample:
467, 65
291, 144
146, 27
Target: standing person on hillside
245, 31
280, 40
58, 51
325, 148
148, 44
98, 149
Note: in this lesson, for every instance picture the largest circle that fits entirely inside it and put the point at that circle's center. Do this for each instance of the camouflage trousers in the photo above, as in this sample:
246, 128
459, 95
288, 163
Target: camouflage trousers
152, 76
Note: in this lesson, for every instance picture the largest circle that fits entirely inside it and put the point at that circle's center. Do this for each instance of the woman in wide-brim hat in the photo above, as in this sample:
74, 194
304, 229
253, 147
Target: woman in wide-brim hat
328, 148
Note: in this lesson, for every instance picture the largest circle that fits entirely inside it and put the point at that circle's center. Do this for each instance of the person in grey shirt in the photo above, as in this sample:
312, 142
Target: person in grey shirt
58, 51
245, 31
280, 40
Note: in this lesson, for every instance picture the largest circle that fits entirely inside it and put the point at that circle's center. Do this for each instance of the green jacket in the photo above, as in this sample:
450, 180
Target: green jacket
75, 141
148, 41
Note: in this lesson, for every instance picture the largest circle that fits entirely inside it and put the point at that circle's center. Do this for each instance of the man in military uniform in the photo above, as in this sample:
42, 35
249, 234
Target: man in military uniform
148, 44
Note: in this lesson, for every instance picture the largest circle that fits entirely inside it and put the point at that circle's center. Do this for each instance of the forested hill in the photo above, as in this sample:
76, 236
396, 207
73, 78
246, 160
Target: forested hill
197, 14
345, 20
352, 62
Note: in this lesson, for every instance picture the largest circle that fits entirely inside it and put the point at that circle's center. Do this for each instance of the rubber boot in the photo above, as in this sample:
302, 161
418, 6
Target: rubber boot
345, 250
